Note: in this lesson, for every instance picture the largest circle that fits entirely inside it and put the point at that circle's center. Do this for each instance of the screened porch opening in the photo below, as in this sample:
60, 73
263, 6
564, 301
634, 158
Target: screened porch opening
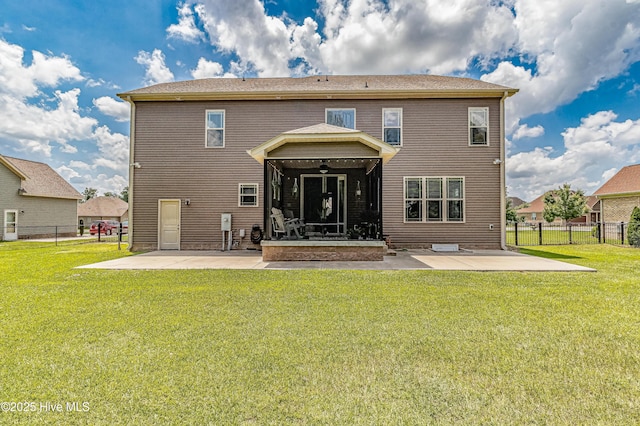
335, 199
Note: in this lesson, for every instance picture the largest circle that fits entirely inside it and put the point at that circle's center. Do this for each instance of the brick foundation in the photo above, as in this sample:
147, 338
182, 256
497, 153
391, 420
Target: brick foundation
352, 250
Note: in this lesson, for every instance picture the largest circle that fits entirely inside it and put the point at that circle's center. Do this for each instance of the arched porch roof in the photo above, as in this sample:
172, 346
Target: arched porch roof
324, 134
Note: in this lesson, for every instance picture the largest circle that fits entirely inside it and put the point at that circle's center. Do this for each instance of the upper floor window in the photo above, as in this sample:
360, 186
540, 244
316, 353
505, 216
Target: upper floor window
215, 129
478, 126
392, 126
248, 195
341, 117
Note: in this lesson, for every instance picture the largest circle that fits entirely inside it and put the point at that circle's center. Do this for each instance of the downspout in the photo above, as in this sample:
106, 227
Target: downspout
503, 184
132, 132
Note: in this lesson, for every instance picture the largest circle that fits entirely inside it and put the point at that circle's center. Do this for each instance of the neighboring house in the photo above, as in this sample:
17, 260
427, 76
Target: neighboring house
516, 202
620, 194
35, 201
592, 214
103, 208
417, 159
533, 212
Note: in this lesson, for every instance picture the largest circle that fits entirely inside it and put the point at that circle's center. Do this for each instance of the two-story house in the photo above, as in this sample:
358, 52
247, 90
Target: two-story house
414, 159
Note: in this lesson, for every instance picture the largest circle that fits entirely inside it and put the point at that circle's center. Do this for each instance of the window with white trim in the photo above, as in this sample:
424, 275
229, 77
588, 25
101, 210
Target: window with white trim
478, 126
341, 117
434, 199
215, 129
248, 195
392, 126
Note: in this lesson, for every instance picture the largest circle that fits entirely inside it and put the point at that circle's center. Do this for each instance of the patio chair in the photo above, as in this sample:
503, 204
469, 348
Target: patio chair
281, 225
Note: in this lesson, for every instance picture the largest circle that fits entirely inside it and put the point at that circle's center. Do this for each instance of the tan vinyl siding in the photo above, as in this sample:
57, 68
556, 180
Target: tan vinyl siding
169, 145
327, 150
436, 144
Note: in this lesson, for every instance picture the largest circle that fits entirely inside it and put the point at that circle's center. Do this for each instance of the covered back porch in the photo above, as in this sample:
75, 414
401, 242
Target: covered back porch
323, 194
325, 182
330, 198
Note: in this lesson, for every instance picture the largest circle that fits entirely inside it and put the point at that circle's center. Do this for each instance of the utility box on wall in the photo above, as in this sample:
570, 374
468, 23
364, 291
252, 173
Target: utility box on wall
225, 224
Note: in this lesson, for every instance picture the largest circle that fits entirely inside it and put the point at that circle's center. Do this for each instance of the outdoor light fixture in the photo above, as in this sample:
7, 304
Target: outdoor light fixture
323, 167
497, 161
358, 191
135, 165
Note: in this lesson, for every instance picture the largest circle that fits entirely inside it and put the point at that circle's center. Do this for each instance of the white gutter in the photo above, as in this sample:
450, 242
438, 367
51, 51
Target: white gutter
132, 132
503, 180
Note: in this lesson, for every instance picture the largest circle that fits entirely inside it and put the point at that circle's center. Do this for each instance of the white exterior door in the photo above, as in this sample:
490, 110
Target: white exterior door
169, 225
10, 226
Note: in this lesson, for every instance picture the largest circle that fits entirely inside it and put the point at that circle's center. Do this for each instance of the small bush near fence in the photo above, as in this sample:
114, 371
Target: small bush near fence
522, 234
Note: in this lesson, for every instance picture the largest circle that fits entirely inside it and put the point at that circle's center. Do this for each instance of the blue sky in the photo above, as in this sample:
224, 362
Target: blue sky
576, 63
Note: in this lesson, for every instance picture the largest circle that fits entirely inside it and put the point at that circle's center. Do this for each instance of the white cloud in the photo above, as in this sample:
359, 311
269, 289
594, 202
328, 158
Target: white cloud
186, 28
369, 36
34, 121
102, 182
67, 173
33, 127
113, 108
361, 36
156, 70
209, 69
22, 81
243, 28
113, 148
608, 174
572, 50
524, 131
592, 150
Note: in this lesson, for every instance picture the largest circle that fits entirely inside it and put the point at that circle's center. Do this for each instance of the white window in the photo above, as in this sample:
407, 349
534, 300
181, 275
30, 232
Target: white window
413, 200
455, 199
341, 117
392, 126
478, 126
248, 195
215, 129
434, 199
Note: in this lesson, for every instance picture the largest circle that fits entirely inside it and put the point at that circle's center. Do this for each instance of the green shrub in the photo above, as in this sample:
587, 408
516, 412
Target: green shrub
633, 234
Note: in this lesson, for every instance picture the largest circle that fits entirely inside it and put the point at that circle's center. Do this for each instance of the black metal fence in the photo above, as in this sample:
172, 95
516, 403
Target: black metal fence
67, 234
538, 234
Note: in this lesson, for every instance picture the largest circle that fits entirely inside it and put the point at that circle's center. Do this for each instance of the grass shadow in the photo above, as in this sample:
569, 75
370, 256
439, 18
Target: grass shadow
546, 254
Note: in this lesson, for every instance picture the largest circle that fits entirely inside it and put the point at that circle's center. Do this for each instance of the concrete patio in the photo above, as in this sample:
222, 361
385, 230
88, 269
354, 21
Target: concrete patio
419, 259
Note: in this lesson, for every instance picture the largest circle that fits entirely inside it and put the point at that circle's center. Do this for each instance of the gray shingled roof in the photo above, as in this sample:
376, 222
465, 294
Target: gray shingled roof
334, 84
42, 180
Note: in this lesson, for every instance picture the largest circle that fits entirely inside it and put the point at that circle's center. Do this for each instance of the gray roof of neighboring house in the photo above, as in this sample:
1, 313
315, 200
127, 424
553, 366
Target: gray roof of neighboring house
103, 207
336, 86
40, 180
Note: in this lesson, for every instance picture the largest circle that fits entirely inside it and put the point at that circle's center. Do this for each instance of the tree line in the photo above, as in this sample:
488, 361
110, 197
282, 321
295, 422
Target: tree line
90, 193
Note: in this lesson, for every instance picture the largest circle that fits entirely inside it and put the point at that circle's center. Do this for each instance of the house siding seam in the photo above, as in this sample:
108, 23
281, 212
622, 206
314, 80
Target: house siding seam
174, 164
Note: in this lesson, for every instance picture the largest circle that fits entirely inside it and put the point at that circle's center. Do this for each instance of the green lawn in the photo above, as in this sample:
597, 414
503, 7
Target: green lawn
318, 347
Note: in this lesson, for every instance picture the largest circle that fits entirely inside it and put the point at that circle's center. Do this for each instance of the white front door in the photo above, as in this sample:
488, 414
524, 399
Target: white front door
169, 225
10, 228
